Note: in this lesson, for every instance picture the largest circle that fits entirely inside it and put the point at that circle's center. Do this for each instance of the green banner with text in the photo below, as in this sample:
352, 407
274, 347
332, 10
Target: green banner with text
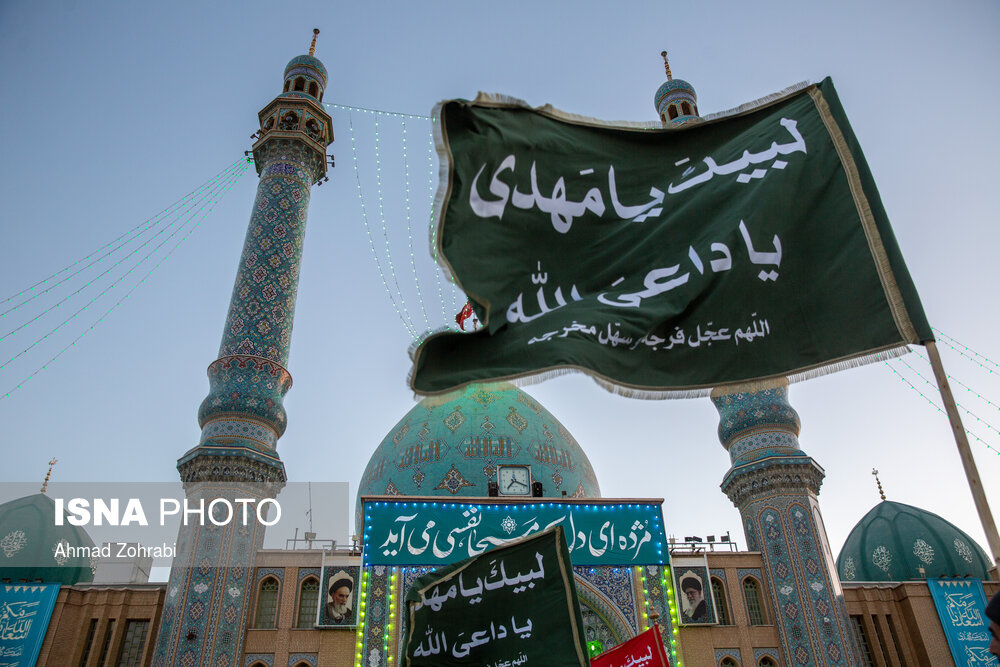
516, 605
664, 261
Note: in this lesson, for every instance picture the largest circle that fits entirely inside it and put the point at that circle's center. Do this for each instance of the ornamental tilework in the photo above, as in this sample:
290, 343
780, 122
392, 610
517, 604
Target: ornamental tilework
733, 653
277, 572
309, 658
266, 658
308, 572
759, 653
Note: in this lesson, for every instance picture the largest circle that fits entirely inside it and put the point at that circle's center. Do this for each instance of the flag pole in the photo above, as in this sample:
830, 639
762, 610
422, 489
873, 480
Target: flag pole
965, 453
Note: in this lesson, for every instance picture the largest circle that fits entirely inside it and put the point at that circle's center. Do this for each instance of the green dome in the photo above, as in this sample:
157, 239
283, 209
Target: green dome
450, 446
28, 541
897, 542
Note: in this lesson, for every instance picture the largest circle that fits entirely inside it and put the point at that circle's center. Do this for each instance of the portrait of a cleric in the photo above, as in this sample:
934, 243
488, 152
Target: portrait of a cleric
339, 590
696, 606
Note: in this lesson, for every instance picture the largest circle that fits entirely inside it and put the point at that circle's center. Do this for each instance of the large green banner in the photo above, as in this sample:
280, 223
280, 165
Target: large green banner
664, 261
516, 605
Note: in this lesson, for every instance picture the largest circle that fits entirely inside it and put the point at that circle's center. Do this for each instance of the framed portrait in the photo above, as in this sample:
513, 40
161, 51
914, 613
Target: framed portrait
693, 589
338, 597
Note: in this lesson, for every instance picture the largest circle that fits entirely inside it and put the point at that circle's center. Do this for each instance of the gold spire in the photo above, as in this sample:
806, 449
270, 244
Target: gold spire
312, 47
666, 66
879, 482
45, 484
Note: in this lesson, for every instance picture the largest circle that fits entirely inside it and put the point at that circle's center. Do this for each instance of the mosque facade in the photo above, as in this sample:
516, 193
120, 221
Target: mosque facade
486, 448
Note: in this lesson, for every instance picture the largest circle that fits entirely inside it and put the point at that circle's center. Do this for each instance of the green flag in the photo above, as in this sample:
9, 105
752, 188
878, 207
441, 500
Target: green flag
516, 604
665, 261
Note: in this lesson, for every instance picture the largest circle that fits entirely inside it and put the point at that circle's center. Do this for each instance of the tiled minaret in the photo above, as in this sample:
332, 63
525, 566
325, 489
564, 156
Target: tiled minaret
210, 590
775, 486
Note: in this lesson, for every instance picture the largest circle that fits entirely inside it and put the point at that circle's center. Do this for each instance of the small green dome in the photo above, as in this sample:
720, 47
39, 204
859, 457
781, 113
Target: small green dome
897, 542
32, 547
450, 446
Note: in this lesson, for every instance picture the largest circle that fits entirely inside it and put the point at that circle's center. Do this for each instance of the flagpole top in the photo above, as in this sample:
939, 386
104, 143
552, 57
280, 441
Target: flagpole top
879, 482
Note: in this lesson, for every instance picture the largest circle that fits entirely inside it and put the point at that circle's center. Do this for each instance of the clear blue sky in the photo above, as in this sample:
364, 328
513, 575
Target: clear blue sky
114, 110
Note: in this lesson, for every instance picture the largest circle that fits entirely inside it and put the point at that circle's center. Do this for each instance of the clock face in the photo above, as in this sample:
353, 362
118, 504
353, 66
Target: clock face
514, 480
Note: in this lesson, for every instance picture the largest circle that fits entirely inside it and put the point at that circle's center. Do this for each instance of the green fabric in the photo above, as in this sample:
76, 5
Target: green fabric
663, 244
516, 604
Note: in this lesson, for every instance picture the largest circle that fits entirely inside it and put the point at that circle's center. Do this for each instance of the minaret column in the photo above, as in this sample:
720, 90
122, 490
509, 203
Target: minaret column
236, 464
775, 486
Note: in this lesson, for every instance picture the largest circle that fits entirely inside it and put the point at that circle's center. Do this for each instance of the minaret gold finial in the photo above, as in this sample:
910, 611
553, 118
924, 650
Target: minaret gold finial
879, 482
312, 47
45, 484
666, 66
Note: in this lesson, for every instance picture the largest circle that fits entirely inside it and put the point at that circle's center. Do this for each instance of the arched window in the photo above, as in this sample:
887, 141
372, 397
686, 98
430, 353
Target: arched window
313, 88
672, 111
728, 662
300, 83
755, 606
308, 603
719, 598
267, 603
258, 664
288, 84
686, 108
767, 661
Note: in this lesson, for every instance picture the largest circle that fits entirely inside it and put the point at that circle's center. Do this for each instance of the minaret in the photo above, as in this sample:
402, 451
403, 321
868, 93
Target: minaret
775, 486
210, 590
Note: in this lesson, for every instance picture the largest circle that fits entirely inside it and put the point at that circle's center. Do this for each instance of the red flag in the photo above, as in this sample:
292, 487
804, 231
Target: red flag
643, 650
464, 314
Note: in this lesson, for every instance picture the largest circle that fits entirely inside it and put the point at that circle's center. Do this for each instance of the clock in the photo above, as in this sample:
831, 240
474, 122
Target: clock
514, 480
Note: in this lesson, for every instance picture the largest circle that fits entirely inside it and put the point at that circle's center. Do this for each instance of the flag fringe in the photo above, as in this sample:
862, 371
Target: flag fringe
749, 385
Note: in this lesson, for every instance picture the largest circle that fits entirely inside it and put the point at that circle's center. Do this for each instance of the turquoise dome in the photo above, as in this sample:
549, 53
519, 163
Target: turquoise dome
450, 446
307, 62
28, 539
897, 542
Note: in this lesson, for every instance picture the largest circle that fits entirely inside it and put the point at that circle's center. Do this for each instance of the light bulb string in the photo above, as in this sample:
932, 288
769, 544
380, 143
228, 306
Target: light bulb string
137, 249
220, 175
951, 342
957, 404
937, 407
409, 229
379, 112
139, 263
408, 321
127, 294
364, 218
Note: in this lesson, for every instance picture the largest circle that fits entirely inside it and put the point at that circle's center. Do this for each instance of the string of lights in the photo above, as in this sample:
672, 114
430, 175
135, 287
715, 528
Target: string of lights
951, 343
193, 203
408, 321
141, 227
433, 230
368, 231
128, 294
957, 404
378, 112
938, 407
964, 386
409, 229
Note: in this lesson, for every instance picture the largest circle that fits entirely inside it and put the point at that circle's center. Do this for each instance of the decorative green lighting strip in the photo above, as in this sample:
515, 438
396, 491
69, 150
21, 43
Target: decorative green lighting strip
666, 581
141, 227
358, 657
128, 294
937, 407
395, 114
